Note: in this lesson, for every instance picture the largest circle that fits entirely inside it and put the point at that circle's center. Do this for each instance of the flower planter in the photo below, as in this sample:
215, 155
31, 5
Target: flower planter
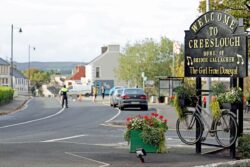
186, 101
230, 106
137, 142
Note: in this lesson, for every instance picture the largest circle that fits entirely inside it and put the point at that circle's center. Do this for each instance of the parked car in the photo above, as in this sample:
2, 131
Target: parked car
111, 92
114, 99
133, 97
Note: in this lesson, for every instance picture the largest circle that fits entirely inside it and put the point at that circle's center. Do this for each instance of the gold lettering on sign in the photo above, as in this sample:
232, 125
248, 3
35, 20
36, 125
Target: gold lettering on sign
215, 16
240, 59
189, 61
229, 71
214, 42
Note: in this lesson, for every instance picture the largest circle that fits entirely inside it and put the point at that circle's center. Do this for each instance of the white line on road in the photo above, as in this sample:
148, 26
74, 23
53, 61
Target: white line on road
34, 120
119, 112
75, 155
64, 138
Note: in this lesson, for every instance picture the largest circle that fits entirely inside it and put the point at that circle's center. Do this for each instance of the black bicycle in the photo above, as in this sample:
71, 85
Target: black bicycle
191, 127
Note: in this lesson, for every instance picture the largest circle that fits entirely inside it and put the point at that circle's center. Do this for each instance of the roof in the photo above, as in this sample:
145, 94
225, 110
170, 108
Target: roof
18, 74
3, 62
79, 72
109, 48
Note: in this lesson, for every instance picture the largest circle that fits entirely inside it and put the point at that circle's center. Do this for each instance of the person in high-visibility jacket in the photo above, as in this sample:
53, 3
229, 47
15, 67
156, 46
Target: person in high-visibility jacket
63, 93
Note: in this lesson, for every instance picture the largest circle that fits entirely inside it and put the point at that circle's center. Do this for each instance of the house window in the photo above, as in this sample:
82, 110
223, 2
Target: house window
97, 72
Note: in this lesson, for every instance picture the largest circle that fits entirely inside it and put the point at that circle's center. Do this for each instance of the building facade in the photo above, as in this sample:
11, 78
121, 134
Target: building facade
100, 71
20, 82
5, 78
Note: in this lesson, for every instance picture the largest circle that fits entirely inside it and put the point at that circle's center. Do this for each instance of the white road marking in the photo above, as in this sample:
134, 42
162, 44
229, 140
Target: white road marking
64, 138
34, 120
119, 112
75, 155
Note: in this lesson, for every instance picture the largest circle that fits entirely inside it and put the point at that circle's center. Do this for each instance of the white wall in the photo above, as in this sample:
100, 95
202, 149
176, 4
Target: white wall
107, 62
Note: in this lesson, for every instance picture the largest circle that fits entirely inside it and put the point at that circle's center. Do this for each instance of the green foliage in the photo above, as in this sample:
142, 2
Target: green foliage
153, 129
234, 95
215, 108
244, 145
38, 77
148, 56
185, 91
154, 136
237, 8
218, 88
248, 98
6, 94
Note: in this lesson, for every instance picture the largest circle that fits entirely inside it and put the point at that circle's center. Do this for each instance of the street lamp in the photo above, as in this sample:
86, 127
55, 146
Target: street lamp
12, 67
29, 68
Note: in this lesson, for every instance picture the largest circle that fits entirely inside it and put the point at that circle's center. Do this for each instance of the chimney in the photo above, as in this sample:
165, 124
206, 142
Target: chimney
104, 49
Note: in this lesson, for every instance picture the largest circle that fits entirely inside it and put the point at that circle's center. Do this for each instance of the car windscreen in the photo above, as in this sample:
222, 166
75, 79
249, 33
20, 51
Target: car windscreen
133, 91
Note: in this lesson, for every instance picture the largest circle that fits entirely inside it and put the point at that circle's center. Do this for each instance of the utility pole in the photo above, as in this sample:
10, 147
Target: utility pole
29, 68
208, 83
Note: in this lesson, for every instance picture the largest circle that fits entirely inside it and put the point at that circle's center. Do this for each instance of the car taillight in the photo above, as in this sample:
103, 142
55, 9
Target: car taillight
125, 97
143, 97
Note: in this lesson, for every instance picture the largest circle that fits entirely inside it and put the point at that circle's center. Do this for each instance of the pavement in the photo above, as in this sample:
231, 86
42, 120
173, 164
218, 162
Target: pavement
178, 154
17, 104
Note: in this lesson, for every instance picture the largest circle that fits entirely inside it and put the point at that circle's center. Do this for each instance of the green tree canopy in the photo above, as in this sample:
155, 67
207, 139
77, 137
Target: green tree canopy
152, 58
237, 8
37, 77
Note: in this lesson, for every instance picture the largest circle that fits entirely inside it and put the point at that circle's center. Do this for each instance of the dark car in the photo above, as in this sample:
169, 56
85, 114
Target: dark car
133, 98
114, 99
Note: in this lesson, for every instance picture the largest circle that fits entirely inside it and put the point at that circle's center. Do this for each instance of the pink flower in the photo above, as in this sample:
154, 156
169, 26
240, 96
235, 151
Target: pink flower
161, 117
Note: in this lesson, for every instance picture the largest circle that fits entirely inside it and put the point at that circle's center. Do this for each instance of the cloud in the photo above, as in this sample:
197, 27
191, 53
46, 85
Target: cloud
74, 30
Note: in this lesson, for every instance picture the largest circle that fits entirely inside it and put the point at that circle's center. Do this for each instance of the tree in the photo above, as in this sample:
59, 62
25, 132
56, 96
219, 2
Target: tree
152, 58
37, 77
237, 8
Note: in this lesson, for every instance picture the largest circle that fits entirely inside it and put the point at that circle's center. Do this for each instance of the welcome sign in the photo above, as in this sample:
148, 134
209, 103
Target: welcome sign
216, 46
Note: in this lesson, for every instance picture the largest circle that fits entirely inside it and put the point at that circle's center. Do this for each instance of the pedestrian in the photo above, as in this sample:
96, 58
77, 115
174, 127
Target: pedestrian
95, 90
63, 93
103, 92
204, 101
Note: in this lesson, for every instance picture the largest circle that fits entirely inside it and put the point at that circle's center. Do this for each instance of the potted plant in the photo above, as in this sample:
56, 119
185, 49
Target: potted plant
248, 100
230, 99
244, 145
185, 97
146, 132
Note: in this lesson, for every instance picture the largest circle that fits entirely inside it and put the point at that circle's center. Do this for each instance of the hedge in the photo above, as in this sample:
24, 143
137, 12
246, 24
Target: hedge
244, 145
6, 94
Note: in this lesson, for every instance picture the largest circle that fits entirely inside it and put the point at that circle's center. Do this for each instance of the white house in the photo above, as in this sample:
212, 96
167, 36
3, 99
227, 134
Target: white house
100, 71
5, 78
20, 82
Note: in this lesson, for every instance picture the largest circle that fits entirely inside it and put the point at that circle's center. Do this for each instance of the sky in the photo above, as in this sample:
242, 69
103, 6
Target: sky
75, 30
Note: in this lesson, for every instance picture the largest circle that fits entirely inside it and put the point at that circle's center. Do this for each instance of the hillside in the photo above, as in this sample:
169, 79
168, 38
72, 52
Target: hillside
62, 67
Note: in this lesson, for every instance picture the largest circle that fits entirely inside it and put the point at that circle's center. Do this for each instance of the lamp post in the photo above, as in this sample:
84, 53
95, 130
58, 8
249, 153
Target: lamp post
20, 30
29, 68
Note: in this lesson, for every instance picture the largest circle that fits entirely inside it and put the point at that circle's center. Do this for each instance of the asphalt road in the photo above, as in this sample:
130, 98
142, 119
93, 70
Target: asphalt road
45, 135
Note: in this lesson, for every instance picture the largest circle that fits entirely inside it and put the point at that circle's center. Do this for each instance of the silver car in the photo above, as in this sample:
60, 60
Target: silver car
133, 97
114, 99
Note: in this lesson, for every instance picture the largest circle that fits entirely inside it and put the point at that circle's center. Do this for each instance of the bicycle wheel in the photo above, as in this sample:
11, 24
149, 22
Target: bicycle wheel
226, 129
189, 128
